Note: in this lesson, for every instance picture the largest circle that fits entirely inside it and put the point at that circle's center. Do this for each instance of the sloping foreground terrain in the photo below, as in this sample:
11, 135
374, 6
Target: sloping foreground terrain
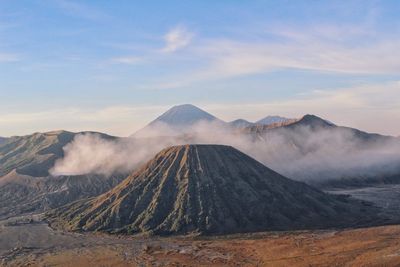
364, 247
209, 189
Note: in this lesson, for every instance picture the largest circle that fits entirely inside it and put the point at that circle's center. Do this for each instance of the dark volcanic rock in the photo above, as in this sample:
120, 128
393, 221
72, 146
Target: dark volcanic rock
207, 189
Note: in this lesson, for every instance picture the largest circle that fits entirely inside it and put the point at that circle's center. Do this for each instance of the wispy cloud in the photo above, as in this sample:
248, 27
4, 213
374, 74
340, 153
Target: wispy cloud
177, 38
311, 51
339, 49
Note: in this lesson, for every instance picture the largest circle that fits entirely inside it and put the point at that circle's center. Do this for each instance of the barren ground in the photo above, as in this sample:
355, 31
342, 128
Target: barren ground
34, 244
27, 241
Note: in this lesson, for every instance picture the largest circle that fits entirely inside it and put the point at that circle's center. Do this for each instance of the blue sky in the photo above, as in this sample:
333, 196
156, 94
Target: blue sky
112, 66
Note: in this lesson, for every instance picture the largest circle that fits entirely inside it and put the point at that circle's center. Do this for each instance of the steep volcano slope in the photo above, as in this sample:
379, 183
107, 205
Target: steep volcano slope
207, 189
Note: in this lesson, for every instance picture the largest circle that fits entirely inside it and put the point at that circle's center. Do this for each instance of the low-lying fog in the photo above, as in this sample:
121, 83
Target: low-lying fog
301, 154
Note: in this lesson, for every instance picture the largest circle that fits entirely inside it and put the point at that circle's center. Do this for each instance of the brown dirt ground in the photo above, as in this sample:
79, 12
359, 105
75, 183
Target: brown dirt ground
376, 246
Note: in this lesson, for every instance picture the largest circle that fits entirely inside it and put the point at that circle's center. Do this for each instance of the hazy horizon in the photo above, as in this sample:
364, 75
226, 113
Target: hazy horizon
167, 108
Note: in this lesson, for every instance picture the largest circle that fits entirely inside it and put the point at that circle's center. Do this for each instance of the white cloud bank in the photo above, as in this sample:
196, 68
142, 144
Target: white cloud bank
301, 154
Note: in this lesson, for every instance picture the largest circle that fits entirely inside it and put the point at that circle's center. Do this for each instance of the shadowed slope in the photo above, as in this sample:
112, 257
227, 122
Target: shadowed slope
207, 189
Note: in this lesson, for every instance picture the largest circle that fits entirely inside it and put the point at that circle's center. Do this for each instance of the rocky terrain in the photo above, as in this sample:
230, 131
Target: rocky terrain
27, 242
209, 189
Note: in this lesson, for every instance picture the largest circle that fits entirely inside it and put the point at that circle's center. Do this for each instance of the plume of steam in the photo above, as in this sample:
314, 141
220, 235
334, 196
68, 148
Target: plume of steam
301, 153
90, 153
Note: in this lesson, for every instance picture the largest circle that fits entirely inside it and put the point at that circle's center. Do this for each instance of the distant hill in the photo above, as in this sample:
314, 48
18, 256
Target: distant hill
208, 189
315, 124
271, 120
240, 123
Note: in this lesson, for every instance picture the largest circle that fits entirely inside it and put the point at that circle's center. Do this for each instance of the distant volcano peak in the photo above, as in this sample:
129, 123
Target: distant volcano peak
176, 120
186, 114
